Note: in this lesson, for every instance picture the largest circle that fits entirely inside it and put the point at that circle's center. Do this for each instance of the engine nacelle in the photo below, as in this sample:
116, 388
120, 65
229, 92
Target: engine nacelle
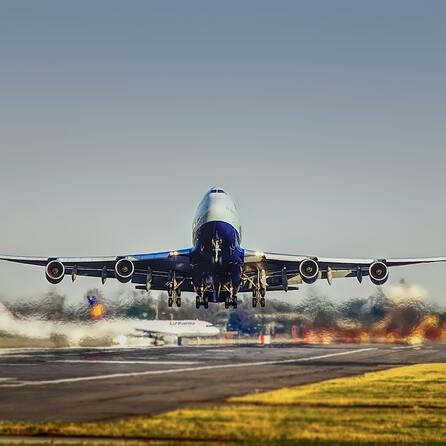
378, 272
124, 270
54, 271
309, 270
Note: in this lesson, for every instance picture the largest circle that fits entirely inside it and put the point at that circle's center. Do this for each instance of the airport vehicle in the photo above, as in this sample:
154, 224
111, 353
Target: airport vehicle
216, 268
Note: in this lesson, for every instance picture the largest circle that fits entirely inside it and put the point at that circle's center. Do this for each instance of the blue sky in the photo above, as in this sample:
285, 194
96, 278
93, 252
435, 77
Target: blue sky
325, 120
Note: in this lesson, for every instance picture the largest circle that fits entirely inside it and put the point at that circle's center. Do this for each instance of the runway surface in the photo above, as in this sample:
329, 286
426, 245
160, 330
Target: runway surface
104, 384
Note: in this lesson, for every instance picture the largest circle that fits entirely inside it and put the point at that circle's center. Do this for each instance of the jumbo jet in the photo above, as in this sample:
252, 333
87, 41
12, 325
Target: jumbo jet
217, 268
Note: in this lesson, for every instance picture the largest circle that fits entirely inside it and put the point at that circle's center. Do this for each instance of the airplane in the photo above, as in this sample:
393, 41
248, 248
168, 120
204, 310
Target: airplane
156, 328
117, 331
216, 268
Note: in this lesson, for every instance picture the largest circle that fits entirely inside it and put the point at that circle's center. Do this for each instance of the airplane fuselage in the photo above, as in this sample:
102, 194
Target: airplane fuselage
217, 258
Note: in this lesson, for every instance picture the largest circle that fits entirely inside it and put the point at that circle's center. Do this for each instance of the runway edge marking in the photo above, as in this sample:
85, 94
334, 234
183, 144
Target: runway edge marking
183, 370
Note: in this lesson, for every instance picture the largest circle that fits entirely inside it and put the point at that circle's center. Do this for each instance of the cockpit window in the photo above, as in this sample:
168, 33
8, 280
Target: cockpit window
217, 191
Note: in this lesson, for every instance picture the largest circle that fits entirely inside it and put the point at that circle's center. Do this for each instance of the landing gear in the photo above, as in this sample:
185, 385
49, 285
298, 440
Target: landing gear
231, 301
258, 297
199, 301
174, 299
174, 290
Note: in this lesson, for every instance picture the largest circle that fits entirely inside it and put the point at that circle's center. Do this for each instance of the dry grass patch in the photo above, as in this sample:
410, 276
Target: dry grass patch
421, 385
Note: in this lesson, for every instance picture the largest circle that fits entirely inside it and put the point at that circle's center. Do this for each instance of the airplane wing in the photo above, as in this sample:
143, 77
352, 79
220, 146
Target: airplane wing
151, 270
154, 333
279, 271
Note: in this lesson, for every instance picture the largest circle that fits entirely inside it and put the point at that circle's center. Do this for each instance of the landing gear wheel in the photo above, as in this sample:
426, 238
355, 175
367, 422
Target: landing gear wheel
197, 302
227, 303
170, 301
254, 302
178, 302
262, 292
205, 302
234, 301
262, 302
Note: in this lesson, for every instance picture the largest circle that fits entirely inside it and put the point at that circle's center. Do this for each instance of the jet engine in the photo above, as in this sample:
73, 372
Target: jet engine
378, 272
54, 271
309, 271
124, 270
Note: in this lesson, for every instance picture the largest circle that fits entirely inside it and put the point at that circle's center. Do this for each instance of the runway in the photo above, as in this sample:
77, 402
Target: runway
110, 383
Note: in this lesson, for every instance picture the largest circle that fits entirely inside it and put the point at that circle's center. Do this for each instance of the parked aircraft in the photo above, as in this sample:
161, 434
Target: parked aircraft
115, 331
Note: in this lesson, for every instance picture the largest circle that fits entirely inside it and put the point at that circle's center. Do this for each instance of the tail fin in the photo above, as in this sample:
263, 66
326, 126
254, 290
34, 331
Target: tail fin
97, 310
92, 301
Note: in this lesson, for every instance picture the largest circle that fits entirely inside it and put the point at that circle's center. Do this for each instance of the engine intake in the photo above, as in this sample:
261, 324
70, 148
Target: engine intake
378, 272
309, 271
124, 270
54, 271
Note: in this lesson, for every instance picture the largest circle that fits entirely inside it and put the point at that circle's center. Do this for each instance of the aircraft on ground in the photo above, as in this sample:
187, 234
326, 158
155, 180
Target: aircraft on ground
216, 268
192, 328
116, 331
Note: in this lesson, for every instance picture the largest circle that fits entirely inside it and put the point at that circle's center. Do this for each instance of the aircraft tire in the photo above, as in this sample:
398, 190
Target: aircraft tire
197, 302
254, 302
178, 302
262, 302
170, 302
234, 302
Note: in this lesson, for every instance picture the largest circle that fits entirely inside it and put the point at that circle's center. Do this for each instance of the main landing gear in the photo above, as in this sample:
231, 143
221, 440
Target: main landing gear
231, 301
258, 297
174, 290
199, 301
174, 298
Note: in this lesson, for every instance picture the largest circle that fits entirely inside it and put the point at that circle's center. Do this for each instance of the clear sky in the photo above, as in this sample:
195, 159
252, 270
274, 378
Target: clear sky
325, 120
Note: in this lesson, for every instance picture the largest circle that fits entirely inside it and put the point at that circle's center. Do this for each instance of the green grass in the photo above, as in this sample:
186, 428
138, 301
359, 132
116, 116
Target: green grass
401, 405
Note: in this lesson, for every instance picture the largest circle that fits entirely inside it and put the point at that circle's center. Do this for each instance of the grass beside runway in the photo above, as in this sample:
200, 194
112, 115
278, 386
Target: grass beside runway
400, 405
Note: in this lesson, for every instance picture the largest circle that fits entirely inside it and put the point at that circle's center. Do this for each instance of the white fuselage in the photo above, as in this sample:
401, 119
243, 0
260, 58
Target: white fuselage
76, 333
216, 207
